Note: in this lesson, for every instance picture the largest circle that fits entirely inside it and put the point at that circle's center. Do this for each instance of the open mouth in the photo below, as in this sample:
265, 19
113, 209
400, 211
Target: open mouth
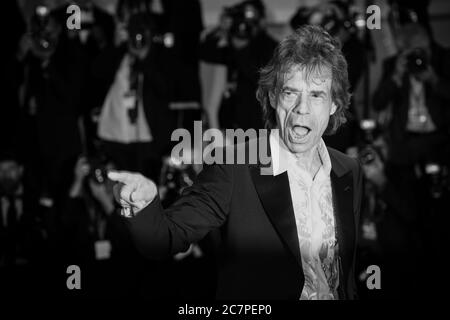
299, 133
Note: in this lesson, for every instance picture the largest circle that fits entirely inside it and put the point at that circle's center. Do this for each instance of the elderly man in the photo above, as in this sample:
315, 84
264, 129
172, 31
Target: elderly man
290, 234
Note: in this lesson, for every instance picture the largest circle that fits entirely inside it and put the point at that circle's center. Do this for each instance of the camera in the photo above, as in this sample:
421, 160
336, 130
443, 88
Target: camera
245, 19
368, 152
417, 61
139, 29
98, 172
332, 16
44, 29
332, 22
367, 155
175, 176
436, 177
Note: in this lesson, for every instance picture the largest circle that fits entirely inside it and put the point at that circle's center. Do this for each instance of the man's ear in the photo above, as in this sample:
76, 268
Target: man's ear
333, 108
272, 100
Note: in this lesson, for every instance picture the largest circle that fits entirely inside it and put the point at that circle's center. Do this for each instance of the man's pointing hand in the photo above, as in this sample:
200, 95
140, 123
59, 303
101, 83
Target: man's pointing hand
133, 191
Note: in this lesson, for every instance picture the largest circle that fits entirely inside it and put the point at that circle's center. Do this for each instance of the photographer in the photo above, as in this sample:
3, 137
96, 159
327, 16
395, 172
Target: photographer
94, 236
52, 99
135, 122
96, 33
391, 224
242, 44
415, 90
416, 84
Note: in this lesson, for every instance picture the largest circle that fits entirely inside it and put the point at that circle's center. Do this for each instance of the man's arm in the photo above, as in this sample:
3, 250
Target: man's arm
158, 233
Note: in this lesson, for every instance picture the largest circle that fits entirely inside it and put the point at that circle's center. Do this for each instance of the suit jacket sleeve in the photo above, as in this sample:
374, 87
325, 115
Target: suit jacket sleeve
204, 206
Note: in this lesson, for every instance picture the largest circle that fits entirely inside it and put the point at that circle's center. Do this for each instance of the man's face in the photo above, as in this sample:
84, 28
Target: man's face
304, 108
10, 177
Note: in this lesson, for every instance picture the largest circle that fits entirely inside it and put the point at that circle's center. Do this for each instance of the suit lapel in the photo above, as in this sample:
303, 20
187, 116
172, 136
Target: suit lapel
275, 196
342, 187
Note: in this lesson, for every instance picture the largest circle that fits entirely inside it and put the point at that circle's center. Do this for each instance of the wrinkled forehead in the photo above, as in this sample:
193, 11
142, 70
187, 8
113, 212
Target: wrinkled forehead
313, 76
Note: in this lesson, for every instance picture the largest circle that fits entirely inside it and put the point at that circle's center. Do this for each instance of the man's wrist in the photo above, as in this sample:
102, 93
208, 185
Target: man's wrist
132, 211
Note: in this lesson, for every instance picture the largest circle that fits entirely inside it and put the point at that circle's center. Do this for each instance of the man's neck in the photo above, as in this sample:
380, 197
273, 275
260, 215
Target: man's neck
310, 160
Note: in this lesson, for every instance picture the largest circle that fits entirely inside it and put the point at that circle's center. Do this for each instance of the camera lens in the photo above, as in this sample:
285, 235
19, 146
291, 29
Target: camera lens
417, 61
366, 155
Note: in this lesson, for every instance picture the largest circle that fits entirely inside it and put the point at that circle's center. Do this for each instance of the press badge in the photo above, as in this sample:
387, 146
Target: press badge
102, 249
129, 100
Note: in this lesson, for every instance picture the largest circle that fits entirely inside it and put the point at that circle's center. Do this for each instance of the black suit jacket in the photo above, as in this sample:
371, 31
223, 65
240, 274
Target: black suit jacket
259, 254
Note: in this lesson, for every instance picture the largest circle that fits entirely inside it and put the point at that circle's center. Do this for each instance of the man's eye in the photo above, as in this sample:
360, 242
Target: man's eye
288, 94
316, 95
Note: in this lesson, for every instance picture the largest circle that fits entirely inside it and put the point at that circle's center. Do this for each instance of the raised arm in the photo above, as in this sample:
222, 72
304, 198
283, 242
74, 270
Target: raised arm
159, 233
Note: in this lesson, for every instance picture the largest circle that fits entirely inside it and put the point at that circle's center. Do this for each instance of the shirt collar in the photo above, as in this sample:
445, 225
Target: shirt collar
280, 156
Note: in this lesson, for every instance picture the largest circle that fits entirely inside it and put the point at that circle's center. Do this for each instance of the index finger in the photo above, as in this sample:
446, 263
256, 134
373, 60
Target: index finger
121, 176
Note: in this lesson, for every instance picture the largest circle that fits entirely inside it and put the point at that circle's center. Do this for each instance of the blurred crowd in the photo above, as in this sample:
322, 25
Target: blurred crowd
108, 95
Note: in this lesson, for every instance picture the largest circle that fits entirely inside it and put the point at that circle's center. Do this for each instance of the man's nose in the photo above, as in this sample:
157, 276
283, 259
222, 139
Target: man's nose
302, 106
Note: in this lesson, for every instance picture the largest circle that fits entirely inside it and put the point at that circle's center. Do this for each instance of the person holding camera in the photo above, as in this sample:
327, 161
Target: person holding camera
51, 95
135, 123
93, 234
87, 208
415, 90
390, 228
416, 83
242, 44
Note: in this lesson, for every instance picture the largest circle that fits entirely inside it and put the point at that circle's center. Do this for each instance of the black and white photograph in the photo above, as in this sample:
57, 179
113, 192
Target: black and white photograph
222, 156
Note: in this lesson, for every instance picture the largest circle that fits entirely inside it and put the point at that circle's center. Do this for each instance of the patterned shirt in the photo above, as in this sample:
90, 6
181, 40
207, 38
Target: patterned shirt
314, 216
